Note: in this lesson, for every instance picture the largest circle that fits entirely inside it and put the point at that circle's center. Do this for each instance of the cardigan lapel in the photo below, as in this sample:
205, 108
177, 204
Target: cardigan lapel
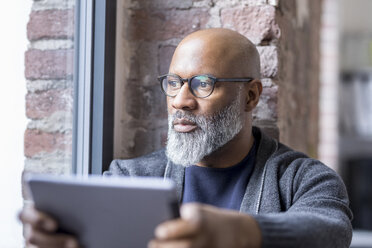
252, 198
177, 174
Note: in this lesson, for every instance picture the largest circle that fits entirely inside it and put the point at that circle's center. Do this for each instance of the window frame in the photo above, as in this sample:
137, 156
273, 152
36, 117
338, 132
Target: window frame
94, 84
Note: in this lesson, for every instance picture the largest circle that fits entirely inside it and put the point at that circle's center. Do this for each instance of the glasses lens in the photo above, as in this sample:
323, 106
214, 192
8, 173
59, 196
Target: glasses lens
202, 86
171, 85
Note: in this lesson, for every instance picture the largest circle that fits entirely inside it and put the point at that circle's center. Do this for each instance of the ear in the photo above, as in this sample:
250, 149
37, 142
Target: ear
253, 92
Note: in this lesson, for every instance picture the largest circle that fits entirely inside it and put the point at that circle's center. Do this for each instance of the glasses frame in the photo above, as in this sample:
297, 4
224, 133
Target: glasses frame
188, 80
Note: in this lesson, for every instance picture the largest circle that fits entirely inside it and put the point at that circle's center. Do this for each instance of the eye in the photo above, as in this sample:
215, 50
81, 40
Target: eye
173, 83
205, 84
202, 83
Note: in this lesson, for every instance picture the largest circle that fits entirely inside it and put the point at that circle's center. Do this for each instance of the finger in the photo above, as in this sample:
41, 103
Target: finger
42, 239
192, 212
176, 229
37, 219
189, 225
184, 243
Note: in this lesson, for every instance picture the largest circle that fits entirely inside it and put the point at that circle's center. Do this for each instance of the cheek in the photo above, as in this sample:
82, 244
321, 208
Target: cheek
169, 105
219, 100
208, 107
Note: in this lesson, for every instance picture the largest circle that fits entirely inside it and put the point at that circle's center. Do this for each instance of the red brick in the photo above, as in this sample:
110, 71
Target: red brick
165, 54
43, 104
38, 143
49, 64
267, 109
142, 64
257, 23
51, 24
162, 4
270, 95
163, 25
269, 61
151, 99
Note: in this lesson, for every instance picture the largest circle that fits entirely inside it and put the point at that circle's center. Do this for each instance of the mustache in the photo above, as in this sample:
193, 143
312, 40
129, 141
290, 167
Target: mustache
187, 117
184, 115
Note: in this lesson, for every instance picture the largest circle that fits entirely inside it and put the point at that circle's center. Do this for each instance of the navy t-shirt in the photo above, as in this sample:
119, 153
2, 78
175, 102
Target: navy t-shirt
220, 187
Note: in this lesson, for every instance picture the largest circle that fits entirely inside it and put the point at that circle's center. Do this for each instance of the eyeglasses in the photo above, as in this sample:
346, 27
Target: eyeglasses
200, 86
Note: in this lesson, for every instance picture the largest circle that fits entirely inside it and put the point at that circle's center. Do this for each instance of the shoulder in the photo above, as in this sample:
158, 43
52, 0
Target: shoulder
274, 155
152, 164
303, 177
294, 174
297, 164
283, 159
298, 167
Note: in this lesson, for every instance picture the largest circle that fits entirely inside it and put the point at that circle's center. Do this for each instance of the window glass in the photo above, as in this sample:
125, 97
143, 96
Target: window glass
49, 79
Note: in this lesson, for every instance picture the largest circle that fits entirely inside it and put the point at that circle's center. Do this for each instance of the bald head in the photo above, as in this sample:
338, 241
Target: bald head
217, 51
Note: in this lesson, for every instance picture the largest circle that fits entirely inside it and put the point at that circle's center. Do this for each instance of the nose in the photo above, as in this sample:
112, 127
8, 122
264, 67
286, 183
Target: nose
184, 100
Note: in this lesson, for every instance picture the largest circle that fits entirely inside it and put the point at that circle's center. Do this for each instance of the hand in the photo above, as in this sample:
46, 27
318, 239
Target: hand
40, 230
207, 226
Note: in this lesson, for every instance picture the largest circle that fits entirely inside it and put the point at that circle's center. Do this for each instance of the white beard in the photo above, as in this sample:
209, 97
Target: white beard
211, 134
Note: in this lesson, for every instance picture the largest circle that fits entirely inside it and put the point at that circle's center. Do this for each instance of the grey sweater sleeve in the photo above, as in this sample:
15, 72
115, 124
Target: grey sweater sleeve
315, 209
150, 165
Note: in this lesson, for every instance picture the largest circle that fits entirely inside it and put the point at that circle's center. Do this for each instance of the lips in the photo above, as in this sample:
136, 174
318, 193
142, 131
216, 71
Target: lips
184, 125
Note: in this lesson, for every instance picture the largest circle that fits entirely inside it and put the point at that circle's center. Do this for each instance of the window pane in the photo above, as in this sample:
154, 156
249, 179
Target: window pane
49, 76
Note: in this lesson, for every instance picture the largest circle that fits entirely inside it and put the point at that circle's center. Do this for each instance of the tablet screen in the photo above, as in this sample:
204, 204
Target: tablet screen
106, 211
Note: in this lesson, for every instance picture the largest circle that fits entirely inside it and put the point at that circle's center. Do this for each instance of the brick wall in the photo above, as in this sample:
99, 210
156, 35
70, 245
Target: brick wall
285, 33
298, 76
49, 99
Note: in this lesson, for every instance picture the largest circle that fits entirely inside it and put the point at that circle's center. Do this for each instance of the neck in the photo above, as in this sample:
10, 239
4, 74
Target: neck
232, 152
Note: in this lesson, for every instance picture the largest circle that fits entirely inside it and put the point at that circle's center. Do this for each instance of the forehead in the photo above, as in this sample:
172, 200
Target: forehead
200, 57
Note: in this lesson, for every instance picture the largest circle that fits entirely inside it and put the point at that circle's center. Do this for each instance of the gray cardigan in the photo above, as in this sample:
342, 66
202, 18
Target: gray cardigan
297, 201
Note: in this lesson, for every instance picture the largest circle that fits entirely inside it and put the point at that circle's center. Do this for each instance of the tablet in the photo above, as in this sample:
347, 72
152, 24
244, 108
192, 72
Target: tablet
105, 211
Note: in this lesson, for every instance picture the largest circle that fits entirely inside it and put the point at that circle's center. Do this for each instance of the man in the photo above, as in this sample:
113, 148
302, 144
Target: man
239, 187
